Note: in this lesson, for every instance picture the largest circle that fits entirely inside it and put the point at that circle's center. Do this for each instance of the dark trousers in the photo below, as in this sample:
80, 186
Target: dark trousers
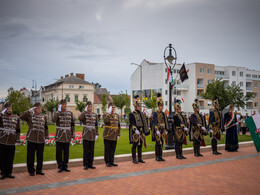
243, 129
31, 149
62, 154
178, 148
158, 148
88, 153
196, 146
7, 158
110, 148
214, 145
139, 150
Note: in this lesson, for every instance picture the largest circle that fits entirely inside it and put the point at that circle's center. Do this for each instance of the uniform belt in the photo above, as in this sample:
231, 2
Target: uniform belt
8, 130
63, 128
91, 127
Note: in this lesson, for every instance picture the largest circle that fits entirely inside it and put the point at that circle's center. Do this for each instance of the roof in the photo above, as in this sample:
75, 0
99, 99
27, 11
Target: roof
101, 91
98, 98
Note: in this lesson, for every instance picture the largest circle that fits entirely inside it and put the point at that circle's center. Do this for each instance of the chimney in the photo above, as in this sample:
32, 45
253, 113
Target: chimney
71, 74
81, 76
66, 75
61, 77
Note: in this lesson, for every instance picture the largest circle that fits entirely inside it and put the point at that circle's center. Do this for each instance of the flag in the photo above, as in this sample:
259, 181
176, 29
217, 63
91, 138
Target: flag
169, 75
182, 100
253, 124
183, 73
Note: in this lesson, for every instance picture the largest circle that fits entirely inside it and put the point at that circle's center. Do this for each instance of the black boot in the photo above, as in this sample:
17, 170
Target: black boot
183, 157
199, 150
157, 153
160, 154
195, 150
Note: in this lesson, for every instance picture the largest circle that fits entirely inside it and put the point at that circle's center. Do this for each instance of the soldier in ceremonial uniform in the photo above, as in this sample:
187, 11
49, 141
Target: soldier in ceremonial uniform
111, 134
159, 129
65, 133
89, 135
198, 129
138, 128
180, 130
215, 126
37, 135
9, 137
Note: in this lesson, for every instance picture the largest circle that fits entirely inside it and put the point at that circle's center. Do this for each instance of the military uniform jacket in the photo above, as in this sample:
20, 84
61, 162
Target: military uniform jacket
160, 123
38, 127
179, 123
9, 129
137, 121
90, 122
197, 121
216, 123
65, 129
111, 126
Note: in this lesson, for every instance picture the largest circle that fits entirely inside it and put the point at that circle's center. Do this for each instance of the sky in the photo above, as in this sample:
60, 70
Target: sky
43, 40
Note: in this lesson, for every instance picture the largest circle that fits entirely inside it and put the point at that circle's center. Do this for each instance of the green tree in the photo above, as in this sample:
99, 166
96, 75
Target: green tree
97, 85
122, 100
104, 103
20, 103
227, 95
50, 106
150, 103
80, 106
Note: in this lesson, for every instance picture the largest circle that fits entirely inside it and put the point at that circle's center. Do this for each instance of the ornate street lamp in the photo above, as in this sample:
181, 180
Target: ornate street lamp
170, 65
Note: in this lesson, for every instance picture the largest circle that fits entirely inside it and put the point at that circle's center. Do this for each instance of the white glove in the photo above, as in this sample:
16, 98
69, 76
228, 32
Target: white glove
86, 109
4, 110
59, 108
16, 144
137, 132
166, 132
237, 123
144, 135
96, 137
71, 139
46, 141
158, 133
32, 109
117, 137
203, 128
186, 129
211, 131
109, 110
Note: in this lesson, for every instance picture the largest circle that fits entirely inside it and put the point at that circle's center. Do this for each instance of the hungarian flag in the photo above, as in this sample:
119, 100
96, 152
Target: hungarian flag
253, 124
183, 73
169, 76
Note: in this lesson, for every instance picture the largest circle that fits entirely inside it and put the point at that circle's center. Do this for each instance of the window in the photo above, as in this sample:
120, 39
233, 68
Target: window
233, 73
256, 95
71, 86
256, 85
81, 87
76, 98
254, 76
166, 70
256, 104
233, 83
209, 71
174, 71
178, 92
67, 98
166, 103
166, 81
98, 110
178, 71
241, 74
201, 70
209, 81
241, 84
166, 92
248, 75
85, 99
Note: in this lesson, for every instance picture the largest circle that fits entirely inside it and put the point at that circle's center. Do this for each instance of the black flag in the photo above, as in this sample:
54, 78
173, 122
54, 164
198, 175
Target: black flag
183, 73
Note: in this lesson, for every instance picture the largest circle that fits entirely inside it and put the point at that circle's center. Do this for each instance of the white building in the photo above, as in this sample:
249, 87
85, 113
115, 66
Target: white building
154, 78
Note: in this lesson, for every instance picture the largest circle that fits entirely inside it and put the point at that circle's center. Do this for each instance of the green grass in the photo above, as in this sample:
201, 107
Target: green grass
123, 146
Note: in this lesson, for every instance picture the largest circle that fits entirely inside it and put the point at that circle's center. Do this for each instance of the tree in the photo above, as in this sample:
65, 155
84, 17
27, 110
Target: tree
150, 103
80, 106
227, 95
97, 85
20, 103
51, 106
104, 102
121, 100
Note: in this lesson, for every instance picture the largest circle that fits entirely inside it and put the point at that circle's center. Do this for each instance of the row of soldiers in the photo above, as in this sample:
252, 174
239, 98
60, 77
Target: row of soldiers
38, 134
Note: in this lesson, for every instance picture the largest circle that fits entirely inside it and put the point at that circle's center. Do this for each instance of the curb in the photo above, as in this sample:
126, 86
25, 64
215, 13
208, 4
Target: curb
22, 167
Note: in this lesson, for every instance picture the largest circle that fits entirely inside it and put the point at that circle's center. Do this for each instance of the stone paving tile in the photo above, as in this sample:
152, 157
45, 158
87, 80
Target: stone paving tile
51, 176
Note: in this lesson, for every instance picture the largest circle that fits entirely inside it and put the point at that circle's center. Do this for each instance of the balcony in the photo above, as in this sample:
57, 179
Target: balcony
249, 88
249, 107
222, 76
182, 87
200, 97
201, 107
200, 86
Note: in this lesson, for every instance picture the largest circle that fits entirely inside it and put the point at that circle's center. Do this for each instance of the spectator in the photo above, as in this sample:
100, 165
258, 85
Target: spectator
243, 125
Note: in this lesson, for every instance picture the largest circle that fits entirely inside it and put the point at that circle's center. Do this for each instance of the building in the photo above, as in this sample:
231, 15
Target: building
98, 99
73, 88
154, 80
